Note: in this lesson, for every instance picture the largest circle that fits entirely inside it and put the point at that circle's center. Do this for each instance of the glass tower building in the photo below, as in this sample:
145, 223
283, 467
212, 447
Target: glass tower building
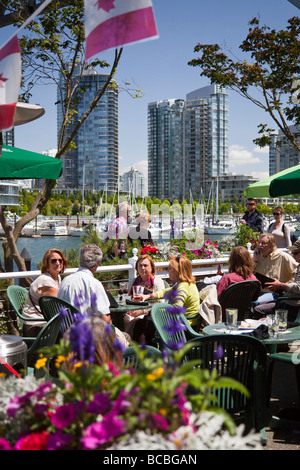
188, 143
93, 163
282, 154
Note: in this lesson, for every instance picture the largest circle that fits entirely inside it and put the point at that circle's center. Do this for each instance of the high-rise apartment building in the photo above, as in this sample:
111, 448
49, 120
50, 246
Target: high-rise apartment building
93, 163
133, 182
188, 143
165, 148
282, 154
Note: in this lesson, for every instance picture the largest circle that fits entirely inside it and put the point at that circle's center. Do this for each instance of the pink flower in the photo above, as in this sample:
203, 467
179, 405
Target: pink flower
161, 422
4, 445
100, 433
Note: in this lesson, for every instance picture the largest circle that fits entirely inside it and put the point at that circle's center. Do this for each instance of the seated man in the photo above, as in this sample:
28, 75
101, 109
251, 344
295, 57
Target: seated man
271, 262
84, 291
290, 289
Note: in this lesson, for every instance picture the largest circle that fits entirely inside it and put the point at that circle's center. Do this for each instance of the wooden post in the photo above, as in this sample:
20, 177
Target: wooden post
27, 258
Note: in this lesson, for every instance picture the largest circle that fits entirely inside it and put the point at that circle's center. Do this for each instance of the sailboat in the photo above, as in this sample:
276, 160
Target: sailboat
221, 227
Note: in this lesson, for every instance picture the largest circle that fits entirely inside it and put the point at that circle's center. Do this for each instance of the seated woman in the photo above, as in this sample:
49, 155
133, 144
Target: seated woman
240, 268
146, 270
53, 265
181, 275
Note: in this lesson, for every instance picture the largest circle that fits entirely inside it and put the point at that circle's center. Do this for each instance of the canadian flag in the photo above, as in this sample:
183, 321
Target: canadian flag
10, 81
114, 23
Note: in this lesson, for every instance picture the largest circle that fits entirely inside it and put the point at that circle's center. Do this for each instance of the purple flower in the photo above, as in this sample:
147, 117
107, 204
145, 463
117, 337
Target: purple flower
64, 415
82, 341
176, 310
59, 441
174, 326
99, 403
219, 353
175, 345
118, 345
100, 433
63, 312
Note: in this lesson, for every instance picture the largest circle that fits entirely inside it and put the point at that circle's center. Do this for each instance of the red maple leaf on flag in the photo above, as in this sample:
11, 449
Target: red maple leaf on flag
106, 5
2, 80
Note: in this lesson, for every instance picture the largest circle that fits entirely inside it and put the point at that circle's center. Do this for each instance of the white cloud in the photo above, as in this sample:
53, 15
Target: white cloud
239, 156
261, 150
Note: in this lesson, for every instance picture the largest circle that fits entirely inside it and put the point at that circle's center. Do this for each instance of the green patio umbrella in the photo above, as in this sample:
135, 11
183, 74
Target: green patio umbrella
18, 164
284, 183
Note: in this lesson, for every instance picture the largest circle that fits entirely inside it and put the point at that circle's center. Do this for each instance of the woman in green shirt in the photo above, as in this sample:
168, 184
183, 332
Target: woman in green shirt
184, 285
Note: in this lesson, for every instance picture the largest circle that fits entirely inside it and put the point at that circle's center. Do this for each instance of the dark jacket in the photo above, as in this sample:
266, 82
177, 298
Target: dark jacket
254, 221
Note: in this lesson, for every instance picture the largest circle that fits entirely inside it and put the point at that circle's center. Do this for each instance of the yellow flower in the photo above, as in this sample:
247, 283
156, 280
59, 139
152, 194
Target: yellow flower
78, 364
155, 375
163, 411
41, 362
59, 360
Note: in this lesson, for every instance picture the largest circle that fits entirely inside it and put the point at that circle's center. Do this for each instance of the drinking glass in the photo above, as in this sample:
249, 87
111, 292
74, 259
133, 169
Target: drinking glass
270, 324
137, 293
231, 318
281, 316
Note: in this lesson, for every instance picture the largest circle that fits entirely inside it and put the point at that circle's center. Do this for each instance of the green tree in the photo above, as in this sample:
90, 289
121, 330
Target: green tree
267, 80
52, 49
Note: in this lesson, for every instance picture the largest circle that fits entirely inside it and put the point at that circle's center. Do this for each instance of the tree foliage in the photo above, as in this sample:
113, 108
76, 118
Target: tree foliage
267, 76
53, 51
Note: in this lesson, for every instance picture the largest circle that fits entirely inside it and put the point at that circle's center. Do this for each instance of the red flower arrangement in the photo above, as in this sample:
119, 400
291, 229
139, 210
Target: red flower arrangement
149, 250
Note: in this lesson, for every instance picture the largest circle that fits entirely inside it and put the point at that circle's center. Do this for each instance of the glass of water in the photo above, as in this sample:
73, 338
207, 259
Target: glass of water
231, 318
281, 316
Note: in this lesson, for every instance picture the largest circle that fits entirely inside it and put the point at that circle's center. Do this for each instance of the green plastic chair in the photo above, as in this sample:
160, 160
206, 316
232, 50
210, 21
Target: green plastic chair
243, 358
17, 295
130, 358
46, 338
161, 318
51, 306
285, 357
240, 296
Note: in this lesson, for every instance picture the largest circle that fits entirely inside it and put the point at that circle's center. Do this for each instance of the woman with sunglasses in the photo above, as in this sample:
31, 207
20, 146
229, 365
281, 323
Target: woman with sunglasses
181, 276
280, 230
53, 265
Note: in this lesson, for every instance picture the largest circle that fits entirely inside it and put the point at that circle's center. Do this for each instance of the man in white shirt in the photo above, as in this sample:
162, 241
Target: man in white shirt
82, 289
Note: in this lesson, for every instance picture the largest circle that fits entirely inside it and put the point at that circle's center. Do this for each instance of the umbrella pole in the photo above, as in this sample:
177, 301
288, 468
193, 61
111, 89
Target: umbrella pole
1, 143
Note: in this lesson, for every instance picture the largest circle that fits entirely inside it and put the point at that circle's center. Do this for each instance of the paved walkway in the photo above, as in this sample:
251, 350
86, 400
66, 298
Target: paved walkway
284, 396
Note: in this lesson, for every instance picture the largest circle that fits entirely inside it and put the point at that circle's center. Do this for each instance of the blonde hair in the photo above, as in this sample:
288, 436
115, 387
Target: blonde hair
184, 268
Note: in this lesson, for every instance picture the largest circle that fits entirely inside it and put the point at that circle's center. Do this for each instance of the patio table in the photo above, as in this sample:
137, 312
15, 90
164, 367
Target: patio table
118, 313
292, 334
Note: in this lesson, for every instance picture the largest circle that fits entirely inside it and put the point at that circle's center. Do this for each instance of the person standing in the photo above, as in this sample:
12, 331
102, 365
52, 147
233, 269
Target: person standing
252, 218
280, 230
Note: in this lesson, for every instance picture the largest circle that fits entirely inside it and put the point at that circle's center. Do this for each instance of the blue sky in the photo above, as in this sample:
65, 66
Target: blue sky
159, 68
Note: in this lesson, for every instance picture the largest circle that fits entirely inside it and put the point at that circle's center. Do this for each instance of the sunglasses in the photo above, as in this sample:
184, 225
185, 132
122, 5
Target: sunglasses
54, 260
276, 213
294, 253
250, 204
